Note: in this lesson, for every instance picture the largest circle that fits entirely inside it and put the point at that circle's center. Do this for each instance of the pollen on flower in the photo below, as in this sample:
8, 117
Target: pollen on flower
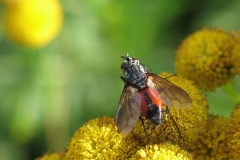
99, 139
141, 153
212, 143
161, 152
209, 57
233, 133
190, 122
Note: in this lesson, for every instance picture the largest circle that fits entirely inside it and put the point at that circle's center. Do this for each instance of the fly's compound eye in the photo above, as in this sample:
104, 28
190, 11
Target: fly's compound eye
123, 65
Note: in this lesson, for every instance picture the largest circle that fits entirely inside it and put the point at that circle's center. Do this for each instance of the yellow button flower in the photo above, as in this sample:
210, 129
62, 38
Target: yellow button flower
209, 57
233, 133
162, 152
211, 143
99, 139
32, 23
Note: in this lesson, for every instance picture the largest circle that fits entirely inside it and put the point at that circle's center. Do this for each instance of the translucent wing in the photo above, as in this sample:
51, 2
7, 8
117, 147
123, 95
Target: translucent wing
128, 110
171, 94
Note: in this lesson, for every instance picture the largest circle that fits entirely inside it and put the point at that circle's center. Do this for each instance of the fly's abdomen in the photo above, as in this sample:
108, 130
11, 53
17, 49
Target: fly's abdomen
151, 105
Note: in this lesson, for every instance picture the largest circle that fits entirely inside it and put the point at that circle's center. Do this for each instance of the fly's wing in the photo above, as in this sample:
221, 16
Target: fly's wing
128, 110
171, 94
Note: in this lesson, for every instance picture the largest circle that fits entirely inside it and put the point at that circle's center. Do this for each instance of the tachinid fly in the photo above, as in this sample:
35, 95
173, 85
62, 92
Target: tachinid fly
145, 94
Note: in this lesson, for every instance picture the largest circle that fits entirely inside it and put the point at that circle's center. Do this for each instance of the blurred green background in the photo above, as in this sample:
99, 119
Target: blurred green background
47, 93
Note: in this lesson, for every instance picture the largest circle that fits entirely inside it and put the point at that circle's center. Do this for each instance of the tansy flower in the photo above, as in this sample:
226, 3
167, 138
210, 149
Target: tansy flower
52, 156
211, 143
237, 49
32, 23
162, 152
209, 57
99, 139
237, 36
233, 133
190, 122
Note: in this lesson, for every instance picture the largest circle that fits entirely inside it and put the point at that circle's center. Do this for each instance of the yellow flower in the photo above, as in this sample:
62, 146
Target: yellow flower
99, 139
237, 49
162, 152
211, 143
237, 36
190, 122
32, 23
233, 133
209, 57
52, 156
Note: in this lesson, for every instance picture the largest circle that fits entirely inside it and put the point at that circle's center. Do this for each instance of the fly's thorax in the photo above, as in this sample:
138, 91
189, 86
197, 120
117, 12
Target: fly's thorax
135, 75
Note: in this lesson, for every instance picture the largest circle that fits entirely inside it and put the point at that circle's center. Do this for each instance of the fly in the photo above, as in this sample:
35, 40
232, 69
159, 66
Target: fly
145, 94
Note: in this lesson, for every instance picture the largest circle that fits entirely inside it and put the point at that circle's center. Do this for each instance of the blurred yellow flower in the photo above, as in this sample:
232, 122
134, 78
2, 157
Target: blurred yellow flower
211, 143
237, 36
162, 152
32, 23
52, 156
233, 133
209, 57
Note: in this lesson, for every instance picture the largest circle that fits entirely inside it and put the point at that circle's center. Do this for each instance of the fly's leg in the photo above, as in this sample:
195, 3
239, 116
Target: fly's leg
145, 130
168, 112
175, 124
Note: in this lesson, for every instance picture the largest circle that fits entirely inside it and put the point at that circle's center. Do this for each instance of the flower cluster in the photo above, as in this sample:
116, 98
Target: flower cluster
212, 143
99, 138
209, 58
233, 133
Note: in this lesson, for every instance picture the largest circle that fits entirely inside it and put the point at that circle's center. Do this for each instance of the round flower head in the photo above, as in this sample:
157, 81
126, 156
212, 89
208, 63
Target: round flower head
211, 144
237, 49
52, 156
99, 139
189, 122
32, 23
237, 36
209, 57
233, 133
162, 152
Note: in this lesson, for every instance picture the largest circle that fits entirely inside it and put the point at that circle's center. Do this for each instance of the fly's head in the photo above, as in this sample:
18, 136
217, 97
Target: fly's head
133, 72
128, 62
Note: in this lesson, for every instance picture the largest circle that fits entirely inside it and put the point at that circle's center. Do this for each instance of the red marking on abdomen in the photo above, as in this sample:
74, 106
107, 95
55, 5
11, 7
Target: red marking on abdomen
154, 96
